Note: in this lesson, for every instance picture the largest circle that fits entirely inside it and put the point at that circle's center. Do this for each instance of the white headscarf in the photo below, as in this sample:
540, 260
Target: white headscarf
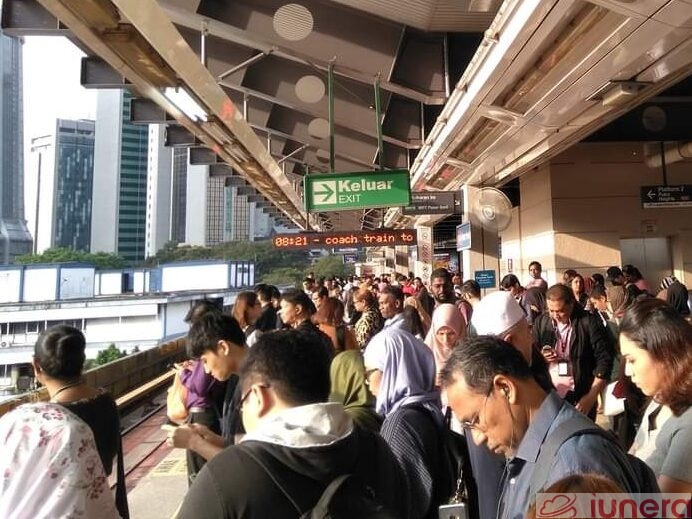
49, 466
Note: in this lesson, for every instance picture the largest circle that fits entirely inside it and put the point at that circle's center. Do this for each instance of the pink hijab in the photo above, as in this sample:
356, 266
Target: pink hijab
444, 315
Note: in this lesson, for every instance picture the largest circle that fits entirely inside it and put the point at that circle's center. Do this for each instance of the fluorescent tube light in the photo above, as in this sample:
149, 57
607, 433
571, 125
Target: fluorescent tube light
185, 103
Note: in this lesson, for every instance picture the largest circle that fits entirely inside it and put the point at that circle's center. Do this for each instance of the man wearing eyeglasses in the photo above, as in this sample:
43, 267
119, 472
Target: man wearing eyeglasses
499, 314
296, 443
492, 390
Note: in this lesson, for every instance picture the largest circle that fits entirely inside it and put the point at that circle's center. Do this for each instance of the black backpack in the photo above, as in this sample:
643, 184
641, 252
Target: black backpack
639, 474
345, 497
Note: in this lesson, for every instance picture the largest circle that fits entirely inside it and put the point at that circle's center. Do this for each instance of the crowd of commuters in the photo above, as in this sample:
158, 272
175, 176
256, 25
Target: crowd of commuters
365, 377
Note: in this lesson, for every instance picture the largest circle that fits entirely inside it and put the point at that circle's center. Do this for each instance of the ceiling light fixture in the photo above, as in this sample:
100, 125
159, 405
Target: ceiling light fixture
621, 92
182, 99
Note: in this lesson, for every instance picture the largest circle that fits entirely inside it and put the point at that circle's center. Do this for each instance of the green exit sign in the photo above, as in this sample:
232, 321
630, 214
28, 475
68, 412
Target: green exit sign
348, 191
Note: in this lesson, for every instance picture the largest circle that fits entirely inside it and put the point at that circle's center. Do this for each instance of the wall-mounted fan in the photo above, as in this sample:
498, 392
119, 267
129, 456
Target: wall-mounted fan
491, 209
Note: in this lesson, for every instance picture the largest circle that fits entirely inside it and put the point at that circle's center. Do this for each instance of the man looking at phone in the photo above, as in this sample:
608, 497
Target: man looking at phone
296, 443
575, 344
219, 343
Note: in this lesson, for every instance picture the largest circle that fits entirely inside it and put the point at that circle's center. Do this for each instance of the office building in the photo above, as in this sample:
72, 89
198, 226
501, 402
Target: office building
159, 202
15, 238
120, 179
64, 162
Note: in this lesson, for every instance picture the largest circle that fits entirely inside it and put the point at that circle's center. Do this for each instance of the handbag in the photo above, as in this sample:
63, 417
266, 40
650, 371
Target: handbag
176, 400
612, 405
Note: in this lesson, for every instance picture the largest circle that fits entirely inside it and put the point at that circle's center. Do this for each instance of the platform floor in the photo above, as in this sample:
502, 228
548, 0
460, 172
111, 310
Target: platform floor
156, 473
158, 494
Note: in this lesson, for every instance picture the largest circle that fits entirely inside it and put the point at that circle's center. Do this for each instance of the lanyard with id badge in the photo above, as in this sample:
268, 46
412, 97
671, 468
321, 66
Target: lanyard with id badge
562, 349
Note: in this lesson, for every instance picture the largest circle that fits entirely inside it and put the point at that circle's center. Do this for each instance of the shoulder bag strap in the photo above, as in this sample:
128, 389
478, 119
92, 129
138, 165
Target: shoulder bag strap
256, 456
549, 449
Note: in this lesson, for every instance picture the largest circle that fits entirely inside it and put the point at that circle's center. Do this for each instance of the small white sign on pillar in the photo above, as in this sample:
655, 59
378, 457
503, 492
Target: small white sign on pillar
424, 264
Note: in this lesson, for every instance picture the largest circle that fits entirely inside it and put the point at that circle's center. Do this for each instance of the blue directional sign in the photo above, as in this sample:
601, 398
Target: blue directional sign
485, 278
463, 236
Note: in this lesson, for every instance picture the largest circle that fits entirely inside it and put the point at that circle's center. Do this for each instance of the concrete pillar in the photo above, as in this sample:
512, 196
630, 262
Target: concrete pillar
485, 246
534, 220
424, 262
483, 255
583, 208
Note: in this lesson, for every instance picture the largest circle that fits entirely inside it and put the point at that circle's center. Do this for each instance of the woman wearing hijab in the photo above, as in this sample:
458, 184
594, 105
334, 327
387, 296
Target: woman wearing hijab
400, 371
348, 387
446, 329
50, 466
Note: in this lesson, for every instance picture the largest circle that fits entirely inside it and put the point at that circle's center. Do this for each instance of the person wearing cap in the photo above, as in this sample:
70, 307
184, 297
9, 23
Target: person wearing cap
500, 315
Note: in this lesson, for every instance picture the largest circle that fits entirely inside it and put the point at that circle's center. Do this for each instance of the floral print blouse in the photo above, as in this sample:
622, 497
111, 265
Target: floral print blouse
49, 466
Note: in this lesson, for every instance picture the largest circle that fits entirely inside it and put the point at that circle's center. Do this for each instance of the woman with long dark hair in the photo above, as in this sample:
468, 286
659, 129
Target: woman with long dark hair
656, 344
246, 310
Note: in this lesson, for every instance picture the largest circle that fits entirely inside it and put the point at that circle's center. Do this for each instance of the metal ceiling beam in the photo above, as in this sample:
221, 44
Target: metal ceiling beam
178, 136
141, 52
286, 136
227, 32
315, 114
30, 19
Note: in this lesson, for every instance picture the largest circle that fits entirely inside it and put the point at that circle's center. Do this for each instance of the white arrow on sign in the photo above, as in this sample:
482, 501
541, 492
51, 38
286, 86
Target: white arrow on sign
324, 192
651, 194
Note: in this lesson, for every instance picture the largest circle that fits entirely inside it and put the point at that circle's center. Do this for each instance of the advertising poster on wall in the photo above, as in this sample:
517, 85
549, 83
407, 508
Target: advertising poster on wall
446, 260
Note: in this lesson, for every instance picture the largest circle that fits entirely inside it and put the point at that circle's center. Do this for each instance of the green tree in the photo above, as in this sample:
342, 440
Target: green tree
109, 355
284, 276
64, 255
267, 259
330, 266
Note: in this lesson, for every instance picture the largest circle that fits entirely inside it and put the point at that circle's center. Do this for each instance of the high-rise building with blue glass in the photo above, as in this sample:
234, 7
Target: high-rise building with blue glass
14, 235
65, 165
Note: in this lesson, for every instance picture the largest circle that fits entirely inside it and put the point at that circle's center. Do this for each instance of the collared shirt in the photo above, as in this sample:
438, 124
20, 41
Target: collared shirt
398, 322
578, 455
536, 283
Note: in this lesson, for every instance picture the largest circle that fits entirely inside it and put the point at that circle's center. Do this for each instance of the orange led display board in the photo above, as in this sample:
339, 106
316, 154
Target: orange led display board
376, 238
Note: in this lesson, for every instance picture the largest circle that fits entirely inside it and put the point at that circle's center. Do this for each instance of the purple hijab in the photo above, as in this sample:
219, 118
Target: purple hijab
408, 370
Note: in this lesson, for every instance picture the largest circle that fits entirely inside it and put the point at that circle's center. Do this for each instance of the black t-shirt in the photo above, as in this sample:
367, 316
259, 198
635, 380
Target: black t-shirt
231, 423
101, 414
